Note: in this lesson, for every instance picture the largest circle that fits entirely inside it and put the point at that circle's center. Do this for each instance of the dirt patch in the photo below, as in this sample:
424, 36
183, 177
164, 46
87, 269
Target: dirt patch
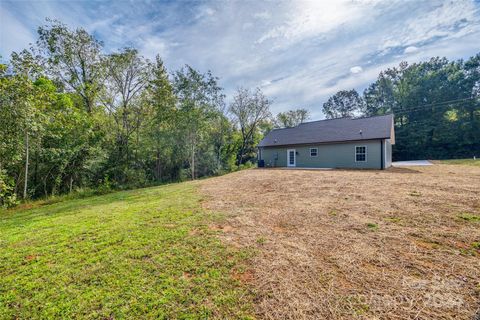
342, 244
243, 276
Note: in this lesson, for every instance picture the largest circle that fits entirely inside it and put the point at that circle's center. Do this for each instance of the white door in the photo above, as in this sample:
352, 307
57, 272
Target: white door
291, 158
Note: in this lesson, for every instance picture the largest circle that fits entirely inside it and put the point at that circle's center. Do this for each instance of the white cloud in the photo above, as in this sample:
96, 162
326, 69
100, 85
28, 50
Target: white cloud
410, 49
265, 83
356, 69
442, 21
304, 19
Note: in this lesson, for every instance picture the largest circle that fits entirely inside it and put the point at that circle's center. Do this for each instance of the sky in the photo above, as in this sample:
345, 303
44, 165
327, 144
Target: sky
298, 52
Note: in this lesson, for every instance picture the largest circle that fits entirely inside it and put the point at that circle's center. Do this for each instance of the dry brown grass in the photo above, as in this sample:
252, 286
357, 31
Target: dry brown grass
368, 244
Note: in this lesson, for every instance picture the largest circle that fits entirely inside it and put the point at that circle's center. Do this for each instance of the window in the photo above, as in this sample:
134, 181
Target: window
360, 153
313, 152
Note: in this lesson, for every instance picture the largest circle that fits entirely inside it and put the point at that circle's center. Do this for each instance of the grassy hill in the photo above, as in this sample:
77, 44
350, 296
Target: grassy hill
147, 253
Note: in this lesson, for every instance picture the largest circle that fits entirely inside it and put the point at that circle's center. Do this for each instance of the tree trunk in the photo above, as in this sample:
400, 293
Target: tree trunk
35, 174
158, 172
193, 161
242, 150
25, 186
219, 158
71, 184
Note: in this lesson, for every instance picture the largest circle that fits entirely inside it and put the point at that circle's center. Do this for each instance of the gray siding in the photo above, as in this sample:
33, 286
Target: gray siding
338, 155
388, 153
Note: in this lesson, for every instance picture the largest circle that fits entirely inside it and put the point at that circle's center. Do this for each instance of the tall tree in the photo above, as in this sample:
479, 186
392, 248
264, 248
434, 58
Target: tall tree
345, 103
291, 118
128, 75
249, 110
74, 58
200, 100
161, 130
21, 113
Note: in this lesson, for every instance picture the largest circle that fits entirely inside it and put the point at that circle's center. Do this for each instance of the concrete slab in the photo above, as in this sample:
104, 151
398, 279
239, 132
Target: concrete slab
412, 163
299, 168
302, 168
293, 168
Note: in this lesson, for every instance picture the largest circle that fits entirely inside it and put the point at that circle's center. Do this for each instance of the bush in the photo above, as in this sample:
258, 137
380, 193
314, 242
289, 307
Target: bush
105, 186
8, 198
247, 165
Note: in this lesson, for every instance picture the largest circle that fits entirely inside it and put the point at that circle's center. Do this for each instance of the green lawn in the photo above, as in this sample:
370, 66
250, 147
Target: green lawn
146, 253
465, 162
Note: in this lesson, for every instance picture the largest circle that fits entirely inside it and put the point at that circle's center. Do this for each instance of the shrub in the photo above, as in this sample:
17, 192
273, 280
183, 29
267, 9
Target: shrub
8, 198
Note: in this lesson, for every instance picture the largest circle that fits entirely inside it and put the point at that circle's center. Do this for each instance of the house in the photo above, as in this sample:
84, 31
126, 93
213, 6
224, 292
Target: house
364, 143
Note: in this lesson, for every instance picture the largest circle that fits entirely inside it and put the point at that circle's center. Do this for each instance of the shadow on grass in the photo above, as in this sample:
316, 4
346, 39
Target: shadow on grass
23, 216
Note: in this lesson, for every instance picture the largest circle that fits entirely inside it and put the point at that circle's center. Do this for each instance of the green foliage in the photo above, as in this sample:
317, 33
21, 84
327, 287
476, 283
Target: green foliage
8, 197
200, 119
247, 165
73, 58
345, 103
146, 253
372, 226
250, 110
291, 118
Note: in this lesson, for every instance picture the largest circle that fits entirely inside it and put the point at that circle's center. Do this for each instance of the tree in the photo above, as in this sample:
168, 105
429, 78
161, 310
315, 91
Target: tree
128, 75
160, 132
470, 84
345, 103
379, 96
249, 110
74, 58
19, 121
200, 101
291, 118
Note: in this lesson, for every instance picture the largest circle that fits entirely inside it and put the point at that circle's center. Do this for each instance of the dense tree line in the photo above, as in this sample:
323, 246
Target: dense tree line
74, 118
436, 106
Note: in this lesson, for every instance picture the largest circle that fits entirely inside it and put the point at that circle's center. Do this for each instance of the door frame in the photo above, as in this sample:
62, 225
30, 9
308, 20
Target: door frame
294, 158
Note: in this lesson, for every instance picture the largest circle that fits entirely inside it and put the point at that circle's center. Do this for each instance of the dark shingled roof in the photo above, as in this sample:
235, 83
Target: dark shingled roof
334, 130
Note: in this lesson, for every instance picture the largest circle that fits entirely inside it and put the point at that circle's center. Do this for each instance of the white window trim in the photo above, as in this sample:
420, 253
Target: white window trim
315, 152
366, 153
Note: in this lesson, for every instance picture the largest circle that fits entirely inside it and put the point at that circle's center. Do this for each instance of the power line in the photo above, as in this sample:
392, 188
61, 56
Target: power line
444, 102
439, 104
421, 109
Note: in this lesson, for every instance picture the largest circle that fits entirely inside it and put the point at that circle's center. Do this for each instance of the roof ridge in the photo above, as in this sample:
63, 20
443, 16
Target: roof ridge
346, 118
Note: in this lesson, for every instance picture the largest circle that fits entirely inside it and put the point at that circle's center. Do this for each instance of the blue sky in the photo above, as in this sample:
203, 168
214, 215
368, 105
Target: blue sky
298, 52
